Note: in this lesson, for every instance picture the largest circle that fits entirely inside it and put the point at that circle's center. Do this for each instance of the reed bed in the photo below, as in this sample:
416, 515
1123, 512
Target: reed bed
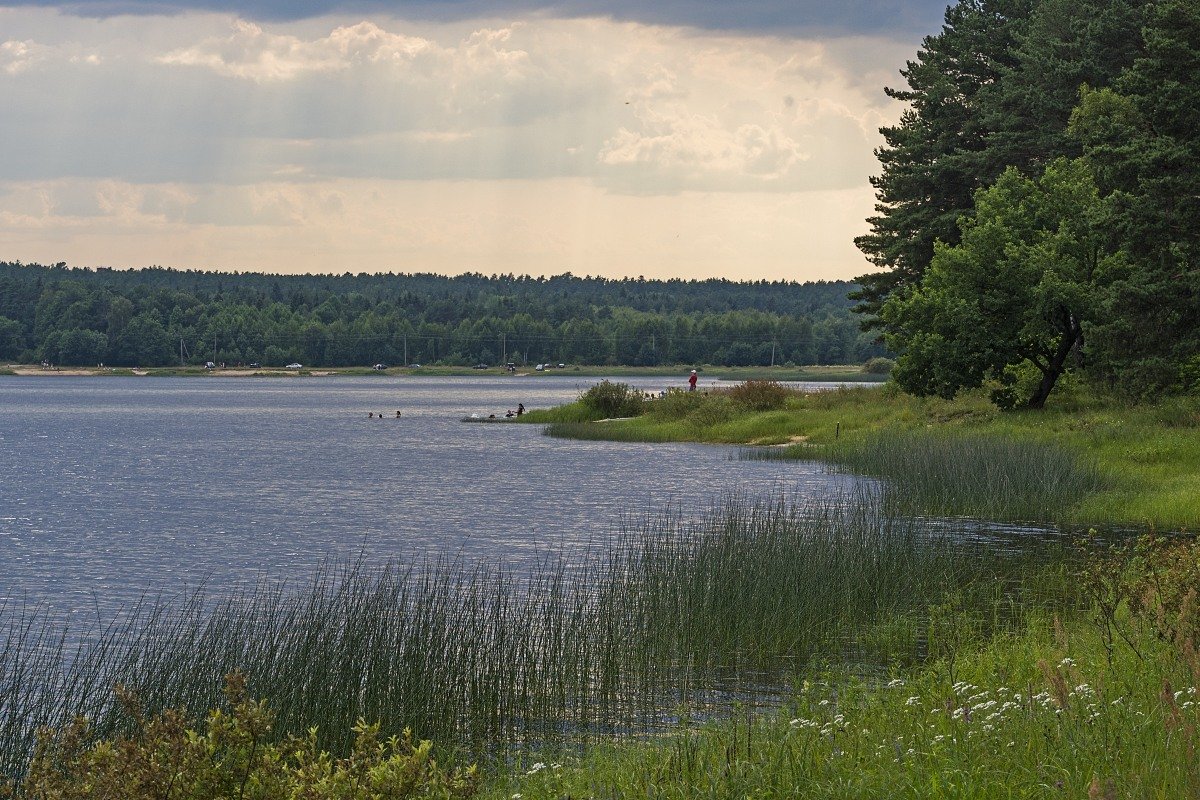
989, 477
609, 432
483, 659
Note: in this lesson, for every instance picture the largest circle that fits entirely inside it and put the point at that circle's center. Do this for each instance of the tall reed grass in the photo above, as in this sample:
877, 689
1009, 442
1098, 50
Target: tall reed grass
941, 473
481, 658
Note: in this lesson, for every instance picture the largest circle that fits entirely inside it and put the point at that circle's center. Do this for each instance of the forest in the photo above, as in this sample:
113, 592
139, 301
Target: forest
158, 317
1038, 205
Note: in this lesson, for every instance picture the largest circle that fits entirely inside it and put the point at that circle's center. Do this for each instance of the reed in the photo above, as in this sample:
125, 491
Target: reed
483, 659
991, 477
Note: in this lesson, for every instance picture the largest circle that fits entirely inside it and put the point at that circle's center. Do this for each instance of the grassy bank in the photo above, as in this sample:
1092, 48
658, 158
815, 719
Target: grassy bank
1099, 702
1034, 714
1096, 461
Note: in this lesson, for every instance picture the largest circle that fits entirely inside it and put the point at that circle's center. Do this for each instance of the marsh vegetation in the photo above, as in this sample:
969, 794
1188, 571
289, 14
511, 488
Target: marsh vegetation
674, 616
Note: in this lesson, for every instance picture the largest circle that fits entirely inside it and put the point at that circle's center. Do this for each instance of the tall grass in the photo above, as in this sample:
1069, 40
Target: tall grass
481, 658
962, 474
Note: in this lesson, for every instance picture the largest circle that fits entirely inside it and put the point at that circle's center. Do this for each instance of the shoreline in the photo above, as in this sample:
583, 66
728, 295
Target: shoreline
848, 373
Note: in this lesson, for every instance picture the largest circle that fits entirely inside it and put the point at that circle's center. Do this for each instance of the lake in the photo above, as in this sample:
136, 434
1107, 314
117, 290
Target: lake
114, 488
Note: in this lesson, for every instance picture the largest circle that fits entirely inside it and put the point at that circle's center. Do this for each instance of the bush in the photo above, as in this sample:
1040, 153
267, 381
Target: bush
610, 399
878, 366
714, 411
760, 395
676, 404
233, 757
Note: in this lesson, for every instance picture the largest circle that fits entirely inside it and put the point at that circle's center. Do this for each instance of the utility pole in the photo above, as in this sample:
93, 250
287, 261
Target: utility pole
406, 349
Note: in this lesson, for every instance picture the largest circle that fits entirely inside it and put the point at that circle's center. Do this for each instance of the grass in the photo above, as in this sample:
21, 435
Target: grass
486, 661
1102, 701
945, 474
999, 731
1146, 457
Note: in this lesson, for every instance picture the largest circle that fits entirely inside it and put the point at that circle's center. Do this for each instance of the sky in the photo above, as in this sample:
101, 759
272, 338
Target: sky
668, 139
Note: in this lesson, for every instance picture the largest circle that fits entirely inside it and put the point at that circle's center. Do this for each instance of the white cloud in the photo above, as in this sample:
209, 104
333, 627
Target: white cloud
250, 52
197, 124
18, 56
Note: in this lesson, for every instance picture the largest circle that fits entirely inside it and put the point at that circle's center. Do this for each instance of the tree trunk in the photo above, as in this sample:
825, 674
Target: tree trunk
1054, 367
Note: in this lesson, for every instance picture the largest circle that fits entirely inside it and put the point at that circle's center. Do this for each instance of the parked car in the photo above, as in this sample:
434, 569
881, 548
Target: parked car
380, 367
254, 365
414, 366
480, 366
294, 365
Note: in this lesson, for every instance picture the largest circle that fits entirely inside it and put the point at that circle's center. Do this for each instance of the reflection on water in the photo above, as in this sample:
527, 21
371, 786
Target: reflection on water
119, 486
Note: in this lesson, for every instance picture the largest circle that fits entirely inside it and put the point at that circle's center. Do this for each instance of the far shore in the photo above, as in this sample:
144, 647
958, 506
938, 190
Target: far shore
843, 373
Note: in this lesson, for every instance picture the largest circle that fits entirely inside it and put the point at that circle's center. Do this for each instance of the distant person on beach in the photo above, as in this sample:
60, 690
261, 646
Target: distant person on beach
692, 381
397, 414
370, 415
520, 409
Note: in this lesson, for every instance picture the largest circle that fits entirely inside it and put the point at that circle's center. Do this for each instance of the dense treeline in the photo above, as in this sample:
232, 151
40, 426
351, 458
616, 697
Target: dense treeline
1039, 201
159, 316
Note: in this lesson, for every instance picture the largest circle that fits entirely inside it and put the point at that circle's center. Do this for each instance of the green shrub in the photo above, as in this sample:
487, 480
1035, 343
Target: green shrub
233, 758
614, 400
878, 366
676, 404
715, 410
760, 395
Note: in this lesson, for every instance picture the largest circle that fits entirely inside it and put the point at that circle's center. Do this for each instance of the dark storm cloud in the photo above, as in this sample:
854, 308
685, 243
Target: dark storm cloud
782, 16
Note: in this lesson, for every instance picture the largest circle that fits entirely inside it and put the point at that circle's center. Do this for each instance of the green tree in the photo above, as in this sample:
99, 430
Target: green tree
1018, 290
142, 341
1143, 138
76, 347
12, 338
930, 163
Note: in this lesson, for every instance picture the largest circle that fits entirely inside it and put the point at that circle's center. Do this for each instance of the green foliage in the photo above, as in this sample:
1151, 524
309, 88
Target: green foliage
1052, 706
152, 317
936, 157
715, 410
611, 399
880, 365
674, 611
1023, 86
676, 404
759, 395
1143, 136
1018, 289
232, 757
983, 476
12, 339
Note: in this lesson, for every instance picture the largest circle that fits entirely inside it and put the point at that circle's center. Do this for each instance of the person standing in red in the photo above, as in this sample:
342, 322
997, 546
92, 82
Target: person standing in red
692, 381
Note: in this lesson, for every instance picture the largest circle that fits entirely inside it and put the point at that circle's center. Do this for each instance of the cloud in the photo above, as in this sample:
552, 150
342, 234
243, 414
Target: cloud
776, 17
534, 227
250, 52
635, 108
205, 139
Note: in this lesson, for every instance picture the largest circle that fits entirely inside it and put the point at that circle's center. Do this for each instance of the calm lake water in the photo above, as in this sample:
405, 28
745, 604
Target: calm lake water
112, 488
